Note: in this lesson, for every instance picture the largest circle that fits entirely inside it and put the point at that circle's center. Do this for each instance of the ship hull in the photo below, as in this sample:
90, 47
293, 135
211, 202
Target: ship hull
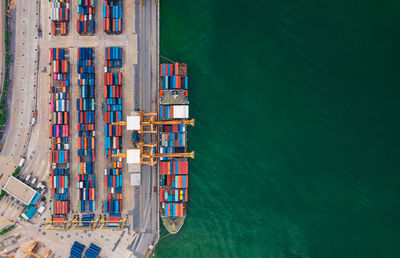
173, 225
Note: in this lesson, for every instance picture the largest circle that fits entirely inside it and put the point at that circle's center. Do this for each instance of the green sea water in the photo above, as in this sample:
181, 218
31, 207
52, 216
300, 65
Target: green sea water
297, 127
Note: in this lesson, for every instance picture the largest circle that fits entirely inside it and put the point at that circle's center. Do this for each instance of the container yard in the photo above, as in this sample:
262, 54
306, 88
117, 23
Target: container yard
60, 17
85, 24
85, 105
112, 16
113, 177
174, 181
89, 194
59, 133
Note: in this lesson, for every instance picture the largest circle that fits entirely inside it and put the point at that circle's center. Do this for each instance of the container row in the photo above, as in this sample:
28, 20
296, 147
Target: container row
173, 195
174, 82
174, 181
173, 167
168, 112
173, 209
173, 139
59, 207
113, 206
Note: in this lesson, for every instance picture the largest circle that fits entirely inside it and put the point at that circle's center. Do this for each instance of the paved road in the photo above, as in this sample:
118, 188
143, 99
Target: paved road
147, 20
24, 85
2, 45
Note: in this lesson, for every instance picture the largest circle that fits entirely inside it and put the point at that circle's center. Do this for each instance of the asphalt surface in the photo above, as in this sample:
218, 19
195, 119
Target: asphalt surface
23, 91
147, 22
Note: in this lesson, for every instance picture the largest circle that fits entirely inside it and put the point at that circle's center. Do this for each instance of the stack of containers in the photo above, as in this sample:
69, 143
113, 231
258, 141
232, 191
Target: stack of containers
112, 16
113, 99
87, 219
173, 172
113, 131
59, 16
173, 139
93, 251
85, 106
77, 250
113, 182
58, 220
114, 219
170, 77
59, 132
86, 12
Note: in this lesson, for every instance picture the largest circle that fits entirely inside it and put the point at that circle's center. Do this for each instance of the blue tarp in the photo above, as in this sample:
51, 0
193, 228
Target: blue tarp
35, 199
31, 211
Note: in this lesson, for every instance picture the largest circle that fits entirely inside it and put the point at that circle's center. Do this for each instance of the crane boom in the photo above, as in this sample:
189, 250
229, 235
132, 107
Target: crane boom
171, 155
172, 122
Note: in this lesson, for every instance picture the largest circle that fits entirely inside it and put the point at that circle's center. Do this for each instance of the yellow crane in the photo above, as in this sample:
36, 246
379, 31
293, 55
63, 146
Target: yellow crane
31, 250
149, 157
73, 224
149, 120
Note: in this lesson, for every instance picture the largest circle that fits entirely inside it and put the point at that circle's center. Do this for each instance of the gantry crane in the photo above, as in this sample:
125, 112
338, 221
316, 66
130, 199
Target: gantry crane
73, 224
149, 120
149, 157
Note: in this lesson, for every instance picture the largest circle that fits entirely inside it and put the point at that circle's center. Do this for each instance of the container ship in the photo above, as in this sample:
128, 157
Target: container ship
173, 105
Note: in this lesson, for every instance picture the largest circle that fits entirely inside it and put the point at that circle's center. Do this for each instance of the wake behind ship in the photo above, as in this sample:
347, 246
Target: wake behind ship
173, 105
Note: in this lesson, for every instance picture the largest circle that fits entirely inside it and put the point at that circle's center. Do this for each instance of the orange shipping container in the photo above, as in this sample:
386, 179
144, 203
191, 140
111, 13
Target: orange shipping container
53, 28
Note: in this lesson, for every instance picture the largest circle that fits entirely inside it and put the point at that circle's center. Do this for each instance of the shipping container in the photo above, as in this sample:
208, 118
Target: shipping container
85, 23
59, 128
112, 16
59, 16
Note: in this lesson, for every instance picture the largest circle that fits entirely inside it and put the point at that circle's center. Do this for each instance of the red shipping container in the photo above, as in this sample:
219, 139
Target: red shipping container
108, 24
78, 28
176, 68
53, 28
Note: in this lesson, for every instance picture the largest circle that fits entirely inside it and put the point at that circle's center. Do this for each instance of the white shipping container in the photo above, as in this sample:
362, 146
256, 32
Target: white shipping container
181, 111
57, 14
